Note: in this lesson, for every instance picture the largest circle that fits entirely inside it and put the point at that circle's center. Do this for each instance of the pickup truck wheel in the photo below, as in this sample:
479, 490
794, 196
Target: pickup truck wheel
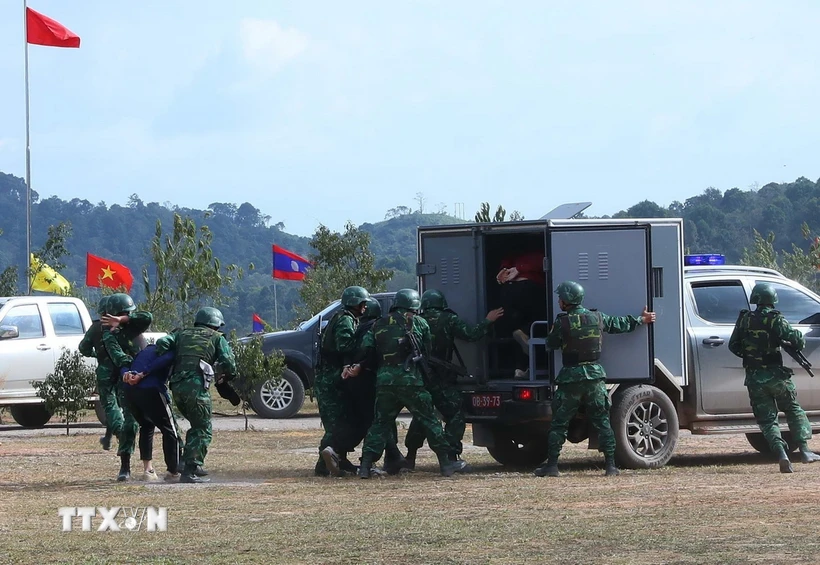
279, 400
759, 443
518, 450
30, 415
646, 427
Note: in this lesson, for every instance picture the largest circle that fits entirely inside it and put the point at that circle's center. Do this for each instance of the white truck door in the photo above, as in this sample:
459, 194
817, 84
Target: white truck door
30, 356
613, 264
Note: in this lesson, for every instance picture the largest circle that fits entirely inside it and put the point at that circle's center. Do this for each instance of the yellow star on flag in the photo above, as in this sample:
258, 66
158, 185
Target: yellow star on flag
108, 273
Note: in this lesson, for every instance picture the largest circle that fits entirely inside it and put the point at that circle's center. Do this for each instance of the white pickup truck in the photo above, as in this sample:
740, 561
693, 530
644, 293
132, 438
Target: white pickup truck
33, 332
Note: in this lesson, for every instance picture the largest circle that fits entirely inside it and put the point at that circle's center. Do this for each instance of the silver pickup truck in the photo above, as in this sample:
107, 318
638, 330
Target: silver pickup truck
33, 332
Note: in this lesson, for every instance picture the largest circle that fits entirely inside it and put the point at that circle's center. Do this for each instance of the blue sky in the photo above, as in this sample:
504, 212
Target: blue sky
328, 111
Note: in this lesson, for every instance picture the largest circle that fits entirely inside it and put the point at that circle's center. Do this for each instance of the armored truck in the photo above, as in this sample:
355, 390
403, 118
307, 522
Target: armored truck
675, 374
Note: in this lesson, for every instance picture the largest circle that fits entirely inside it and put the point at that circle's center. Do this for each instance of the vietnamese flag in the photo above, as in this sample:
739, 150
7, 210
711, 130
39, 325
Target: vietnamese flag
42, 30
102, 272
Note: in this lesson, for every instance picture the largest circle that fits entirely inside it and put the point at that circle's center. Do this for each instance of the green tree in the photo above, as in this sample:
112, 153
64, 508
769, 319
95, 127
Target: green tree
66, 390
483, 214
341, 260
799, 265
187, 274
254, 369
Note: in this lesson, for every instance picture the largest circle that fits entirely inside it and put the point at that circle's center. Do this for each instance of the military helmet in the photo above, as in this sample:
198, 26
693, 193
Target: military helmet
407, 298
101, 306
433, 298
374, 308
119, 303
352, 296
763, 293
209, 316
570, 292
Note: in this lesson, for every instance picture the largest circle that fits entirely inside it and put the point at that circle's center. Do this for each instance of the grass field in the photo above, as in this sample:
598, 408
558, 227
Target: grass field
717, 502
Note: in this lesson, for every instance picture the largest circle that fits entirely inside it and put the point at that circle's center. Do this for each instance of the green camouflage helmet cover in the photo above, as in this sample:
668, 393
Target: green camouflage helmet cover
570, 292
119, 303
408, 299
101, 306
433, 298
763, 293
352, 296
209, 316
374, 308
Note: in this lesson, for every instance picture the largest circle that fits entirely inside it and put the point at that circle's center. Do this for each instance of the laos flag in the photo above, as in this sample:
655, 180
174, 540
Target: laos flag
288, 265
258, 324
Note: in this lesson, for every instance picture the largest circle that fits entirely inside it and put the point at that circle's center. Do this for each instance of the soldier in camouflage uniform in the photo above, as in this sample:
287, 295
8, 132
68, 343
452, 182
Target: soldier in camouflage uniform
337, 348
122, 337
581, 380
445, 327
399, 382
190, 382
756, 338
92, 346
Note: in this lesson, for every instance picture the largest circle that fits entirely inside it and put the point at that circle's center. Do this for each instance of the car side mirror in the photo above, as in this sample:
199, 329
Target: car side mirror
9, 332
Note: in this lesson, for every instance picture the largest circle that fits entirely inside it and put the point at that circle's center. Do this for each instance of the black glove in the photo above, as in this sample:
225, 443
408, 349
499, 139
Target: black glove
227, 392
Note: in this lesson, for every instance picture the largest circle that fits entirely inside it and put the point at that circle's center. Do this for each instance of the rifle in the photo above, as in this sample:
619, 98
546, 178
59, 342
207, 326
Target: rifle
416, 356
798, 356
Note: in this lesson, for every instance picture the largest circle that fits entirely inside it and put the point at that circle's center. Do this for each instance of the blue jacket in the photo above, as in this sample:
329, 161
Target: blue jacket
157, 368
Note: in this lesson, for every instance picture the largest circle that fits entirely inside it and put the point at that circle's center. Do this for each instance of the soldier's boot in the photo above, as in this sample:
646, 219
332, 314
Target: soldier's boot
189, 475
331, 461
125, 467
410, 459
548, 469
783, 460
320, 470
105, 440
200, 471
394, 461
365, 467
347, 466
807, 455
449, 467
611, 468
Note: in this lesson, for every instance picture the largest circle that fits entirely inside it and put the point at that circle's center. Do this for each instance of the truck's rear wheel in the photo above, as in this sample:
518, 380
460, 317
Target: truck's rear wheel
759, 443
518, 449
30, 415
646, 427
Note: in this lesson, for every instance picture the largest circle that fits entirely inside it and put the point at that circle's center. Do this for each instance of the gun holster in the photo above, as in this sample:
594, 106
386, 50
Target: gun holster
207, 374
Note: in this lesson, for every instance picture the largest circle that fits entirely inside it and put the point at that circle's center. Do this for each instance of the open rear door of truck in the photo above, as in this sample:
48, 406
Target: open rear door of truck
613, 264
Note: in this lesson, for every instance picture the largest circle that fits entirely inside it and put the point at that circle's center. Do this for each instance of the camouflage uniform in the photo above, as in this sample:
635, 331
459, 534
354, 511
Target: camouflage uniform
107, 378
191, 397
397, 388
756, 338
121, 348
445, 326
338, 346
582, 382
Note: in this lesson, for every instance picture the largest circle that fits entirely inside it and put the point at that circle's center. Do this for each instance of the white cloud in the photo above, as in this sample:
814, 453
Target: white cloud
268, 45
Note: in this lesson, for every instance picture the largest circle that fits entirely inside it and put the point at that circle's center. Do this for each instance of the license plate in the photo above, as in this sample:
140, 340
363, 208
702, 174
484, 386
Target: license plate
484, 401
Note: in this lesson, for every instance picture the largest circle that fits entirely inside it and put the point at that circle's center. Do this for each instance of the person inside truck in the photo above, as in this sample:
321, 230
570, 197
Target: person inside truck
757, 338
523, 299
581, 381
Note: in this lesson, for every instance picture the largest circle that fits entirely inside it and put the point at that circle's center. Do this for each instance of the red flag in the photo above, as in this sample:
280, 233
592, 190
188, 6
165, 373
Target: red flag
42, 30
101, 271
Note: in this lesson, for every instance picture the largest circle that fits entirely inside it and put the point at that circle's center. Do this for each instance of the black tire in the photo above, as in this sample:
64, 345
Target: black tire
100, 411
30, 415
282, 400
518, 449
758, 442
645, 423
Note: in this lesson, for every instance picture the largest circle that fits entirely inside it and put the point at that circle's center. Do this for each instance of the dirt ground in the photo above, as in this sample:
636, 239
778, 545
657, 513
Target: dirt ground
717, 502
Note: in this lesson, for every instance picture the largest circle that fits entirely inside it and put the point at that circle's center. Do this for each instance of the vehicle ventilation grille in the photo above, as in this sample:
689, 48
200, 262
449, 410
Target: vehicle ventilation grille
603, 265
443, 270
456, 270
583, 266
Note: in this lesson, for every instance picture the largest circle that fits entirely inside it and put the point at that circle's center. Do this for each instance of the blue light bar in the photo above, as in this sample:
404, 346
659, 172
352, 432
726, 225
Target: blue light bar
704, 259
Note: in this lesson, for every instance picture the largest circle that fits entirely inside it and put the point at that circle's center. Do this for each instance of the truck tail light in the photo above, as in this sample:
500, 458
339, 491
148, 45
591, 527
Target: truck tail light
525, 394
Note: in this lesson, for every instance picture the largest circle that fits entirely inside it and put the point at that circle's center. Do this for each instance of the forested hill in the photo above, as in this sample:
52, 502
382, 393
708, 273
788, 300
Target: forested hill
715, 222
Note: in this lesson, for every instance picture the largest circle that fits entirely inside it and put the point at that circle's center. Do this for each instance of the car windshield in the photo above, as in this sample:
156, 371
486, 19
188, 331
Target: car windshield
309, 323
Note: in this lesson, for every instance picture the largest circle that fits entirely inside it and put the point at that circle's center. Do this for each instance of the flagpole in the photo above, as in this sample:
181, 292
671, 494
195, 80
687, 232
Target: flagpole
28, 155
275, 306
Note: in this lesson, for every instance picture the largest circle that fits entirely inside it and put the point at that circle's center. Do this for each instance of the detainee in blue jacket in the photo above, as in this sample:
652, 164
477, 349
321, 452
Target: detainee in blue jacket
146, 392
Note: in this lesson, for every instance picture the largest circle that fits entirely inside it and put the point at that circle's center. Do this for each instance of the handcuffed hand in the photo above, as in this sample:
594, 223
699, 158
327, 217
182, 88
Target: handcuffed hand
351, 371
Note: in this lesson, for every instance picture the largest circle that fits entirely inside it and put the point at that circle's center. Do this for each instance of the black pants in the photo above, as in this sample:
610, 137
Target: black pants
151, 410
524, 302
360, 400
